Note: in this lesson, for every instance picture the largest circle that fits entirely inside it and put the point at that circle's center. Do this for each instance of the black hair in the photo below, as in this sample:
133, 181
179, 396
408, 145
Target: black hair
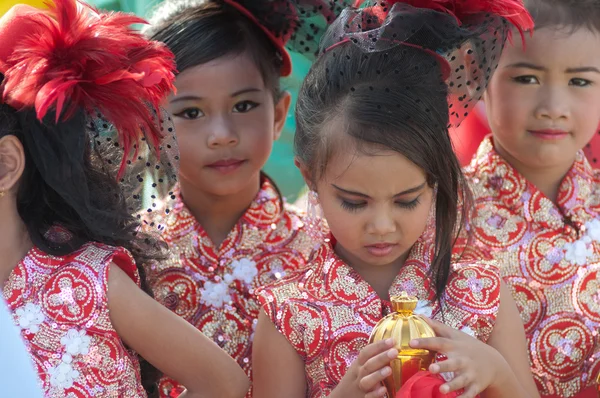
567, 14
90, 204
200, 31
394, 99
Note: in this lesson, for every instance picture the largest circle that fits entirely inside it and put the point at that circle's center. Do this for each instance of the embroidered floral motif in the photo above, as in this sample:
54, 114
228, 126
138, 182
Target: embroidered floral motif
30, 317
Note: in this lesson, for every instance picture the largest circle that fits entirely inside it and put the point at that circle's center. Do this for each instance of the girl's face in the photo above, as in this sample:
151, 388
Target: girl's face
377, 206
543, 100
226, 121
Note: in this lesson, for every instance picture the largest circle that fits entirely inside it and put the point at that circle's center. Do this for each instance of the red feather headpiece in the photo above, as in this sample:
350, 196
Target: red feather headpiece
72, 56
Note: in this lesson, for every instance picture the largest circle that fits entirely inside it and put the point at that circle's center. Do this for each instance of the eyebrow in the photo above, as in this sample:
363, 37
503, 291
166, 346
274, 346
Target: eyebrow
197, 98
362, 195
527, 65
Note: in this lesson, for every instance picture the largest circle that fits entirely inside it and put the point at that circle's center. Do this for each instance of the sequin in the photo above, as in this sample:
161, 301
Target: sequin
549, 255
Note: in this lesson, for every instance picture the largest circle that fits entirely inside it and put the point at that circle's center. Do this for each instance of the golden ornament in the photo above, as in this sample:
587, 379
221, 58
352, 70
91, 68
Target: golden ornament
403, 326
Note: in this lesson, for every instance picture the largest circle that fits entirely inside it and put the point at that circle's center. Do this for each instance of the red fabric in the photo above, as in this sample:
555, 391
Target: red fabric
72, 56
424, 385
467, 137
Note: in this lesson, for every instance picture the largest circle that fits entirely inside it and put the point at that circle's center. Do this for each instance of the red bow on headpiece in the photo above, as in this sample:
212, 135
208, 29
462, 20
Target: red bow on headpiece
71, 56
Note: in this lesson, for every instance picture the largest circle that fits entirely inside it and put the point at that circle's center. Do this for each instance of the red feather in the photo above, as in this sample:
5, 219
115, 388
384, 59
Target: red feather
73, 56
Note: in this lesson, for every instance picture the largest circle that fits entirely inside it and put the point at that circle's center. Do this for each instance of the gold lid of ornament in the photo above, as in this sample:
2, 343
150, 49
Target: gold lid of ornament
403, 325
598, 384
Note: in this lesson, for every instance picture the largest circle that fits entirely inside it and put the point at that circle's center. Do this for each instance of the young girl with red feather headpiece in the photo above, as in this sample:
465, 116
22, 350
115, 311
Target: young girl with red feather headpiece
79, 122
372, 142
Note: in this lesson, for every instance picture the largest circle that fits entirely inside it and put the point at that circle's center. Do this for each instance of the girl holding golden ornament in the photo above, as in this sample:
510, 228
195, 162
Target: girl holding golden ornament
372, 141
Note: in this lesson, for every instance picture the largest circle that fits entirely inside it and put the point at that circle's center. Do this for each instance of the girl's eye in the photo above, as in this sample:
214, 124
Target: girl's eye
409, 205
529, 79
190, 113
352, 206
244, 106
577, 82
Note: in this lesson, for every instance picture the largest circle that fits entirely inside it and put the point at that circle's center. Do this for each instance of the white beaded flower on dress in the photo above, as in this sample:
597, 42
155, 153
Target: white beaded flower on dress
579, 251
215, 294
30, 317
76, 342
244, 270
63, 375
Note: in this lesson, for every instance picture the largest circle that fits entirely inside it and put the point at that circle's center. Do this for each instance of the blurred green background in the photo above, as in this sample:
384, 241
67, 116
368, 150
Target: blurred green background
281, 163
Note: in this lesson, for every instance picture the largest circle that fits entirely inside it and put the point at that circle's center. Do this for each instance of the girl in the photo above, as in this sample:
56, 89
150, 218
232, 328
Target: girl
537, 197
372, 141
228, 228
67, 238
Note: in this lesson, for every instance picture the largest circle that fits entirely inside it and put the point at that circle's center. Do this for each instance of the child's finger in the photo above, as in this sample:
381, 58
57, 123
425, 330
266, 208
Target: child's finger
372, 380
458, 383
470, 392
378, 362
448, 365
440, 329
377, 393
374, 349
437, 344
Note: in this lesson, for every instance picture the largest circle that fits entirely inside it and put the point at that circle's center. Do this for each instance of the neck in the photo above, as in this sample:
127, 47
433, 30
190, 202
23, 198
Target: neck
14, 242
379, 277
546, 179
218, 214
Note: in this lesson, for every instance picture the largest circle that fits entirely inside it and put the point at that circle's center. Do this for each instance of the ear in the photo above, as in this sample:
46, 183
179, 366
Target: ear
282, 108
12, 162
308, 178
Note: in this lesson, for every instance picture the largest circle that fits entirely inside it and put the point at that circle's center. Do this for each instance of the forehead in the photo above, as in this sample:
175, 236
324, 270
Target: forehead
555, 48
225, 74
372, 170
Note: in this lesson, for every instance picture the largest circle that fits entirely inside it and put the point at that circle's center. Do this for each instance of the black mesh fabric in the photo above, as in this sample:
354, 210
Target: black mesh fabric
467, 51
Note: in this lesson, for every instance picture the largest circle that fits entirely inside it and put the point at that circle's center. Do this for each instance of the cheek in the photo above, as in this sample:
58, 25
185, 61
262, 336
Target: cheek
343, 224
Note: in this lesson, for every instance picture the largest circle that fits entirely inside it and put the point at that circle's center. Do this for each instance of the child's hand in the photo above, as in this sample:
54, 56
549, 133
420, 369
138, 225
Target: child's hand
363, 378
476, 365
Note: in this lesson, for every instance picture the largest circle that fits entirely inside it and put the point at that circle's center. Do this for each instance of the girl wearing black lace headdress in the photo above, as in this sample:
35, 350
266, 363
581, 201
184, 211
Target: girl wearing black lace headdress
78, 126
372, 143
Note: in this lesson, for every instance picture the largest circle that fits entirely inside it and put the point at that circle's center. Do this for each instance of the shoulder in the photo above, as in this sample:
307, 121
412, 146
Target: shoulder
97, 257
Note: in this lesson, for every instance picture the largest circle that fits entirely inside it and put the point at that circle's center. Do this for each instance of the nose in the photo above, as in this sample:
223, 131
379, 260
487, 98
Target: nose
382, 223
553, 104
222, 133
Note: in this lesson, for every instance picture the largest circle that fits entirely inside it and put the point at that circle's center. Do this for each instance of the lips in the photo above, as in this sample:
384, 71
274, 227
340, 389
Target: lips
381, 249
226, 165
549, 134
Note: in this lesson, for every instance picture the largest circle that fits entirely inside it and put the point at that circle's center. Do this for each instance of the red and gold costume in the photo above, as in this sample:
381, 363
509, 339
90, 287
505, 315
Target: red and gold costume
61, 306
214, 288
549, 255
327, 311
